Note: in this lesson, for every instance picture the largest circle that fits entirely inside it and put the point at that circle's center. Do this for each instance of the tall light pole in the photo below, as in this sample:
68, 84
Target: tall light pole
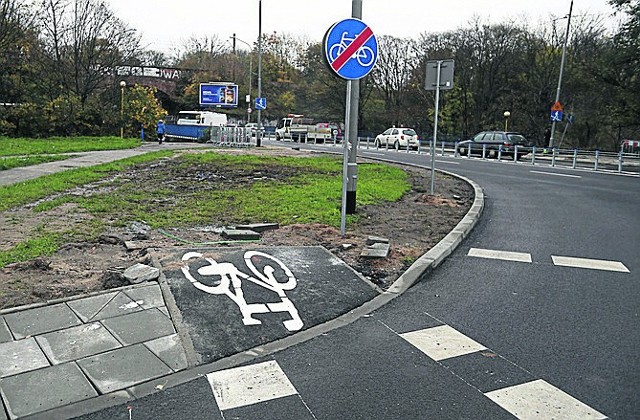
123, 84
506, 114
564, 53
235, 38
259, 128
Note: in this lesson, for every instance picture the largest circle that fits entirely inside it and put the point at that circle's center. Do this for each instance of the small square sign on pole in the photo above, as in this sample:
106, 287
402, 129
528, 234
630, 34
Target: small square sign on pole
446, 75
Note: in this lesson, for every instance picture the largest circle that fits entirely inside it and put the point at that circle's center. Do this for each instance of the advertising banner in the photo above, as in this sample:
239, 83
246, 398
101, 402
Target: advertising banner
221, 94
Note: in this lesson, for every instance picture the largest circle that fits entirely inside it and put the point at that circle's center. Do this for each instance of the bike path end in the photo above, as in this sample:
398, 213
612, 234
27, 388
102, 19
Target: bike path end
233, 300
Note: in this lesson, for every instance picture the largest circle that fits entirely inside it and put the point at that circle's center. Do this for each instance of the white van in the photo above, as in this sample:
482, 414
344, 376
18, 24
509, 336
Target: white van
206, 118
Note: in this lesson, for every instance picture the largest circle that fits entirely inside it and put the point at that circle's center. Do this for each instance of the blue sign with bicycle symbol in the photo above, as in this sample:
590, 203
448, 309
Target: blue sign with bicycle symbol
350, 48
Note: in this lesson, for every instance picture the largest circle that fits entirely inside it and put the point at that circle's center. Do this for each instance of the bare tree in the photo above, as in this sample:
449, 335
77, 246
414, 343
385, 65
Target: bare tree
82, 41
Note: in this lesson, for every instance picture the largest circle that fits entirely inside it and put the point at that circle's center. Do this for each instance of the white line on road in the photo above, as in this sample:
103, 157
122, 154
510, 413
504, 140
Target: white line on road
541, 400
590, 264
553, 173
500, 255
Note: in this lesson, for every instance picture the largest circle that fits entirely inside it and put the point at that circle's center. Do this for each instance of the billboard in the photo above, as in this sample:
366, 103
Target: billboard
220, 94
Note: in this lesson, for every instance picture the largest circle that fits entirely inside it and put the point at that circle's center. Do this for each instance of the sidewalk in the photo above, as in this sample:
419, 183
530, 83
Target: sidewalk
73, 356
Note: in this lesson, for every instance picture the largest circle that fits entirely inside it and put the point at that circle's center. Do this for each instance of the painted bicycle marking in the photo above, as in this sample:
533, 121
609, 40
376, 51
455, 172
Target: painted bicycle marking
229, 283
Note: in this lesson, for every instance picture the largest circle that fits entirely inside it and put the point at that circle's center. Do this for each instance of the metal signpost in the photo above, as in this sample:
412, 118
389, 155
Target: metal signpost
439, 77
351, 50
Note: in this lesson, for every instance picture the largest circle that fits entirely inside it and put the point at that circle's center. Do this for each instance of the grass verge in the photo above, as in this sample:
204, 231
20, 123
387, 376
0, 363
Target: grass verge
199, 189
55, 145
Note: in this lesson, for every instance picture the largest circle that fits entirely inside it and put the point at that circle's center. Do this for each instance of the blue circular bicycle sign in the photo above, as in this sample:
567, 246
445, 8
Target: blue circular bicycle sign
350, 48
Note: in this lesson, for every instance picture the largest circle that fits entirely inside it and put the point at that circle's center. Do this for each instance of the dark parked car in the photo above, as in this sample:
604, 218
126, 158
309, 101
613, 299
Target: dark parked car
493, 142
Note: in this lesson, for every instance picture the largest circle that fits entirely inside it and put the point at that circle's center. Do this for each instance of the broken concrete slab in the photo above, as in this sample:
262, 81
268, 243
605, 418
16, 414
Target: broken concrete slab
377, 240
240, 234
259, 227
377, 250
140, 273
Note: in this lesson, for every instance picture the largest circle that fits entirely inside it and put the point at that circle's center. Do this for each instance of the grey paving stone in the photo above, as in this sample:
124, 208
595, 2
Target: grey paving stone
41, 320
5, 334
87, 308
77, 342
44, 389
148, 297
91, 309
122, 368
169, 349
140, 326
21, 356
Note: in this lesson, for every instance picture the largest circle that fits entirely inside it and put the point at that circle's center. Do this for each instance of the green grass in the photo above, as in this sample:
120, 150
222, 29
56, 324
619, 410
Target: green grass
306, 190
57, 145
18, 162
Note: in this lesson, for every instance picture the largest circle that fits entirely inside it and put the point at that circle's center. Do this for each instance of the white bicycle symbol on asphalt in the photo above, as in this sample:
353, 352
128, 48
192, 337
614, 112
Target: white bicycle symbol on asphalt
364, 55
227, 280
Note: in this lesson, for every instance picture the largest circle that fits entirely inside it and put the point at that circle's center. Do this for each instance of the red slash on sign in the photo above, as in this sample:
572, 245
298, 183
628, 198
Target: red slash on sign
348, 52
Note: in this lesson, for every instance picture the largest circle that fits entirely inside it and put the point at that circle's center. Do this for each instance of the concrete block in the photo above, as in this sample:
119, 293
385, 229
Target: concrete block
240, 234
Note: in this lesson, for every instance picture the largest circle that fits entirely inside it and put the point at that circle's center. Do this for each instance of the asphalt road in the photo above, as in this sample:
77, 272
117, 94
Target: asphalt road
534, 333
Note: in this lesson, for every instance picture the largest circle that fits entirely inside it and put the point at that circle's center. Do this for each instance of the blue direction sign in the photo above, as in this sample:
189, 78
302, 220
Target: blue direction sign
350, 48
261, 103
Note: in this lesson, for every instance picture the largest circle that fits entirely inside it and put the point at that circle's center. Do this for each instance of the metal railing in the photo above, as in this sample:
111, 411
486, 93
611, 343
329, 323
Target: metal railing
600, 161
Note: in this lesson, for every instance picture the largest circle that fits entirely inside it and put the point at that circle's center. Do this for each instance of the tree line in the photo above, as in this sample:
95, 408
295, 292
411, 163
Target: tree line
53, 54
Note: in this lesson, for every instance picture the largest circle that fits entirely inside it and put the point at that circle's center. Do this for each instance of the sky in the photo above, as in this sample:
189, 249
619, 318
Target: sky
165, 25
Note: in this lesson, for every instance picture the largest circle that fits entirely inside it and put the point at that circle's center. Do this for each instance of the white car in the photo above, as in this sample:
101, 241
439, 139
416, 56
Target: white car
397, 138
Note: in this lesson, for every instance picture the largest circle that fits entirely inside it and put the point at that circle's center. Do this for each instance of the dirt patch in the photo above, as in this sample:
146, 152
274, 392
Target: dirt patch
413, 225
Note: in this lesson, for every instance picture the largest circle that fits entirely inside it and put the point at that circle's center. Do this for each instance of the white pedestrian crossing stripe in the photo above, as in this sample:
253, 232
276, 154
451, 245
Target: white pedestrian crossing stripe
589, 264
242, 386
442, 342
533, 400
500, 255
541, 400
574, 262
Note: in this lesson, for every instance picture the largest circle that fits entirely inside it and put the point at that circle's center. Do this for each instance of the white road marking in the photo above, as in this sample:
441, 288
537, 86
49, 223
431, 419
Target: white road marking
590, 264
556, 174
500, 255
242, 386
373, 154
541, 400
442, 342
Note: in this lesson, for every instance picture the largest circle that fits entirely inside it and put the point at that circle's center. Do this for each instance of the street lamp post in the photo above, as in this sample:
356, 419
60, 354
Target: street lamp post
562, 60
506, 114
123, 84
235, 38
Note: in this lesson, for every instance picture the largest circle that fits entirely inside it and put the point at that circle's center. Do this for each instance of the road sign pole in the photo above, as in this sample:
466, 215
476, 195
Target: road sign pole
353, 92
345, 163
259, 129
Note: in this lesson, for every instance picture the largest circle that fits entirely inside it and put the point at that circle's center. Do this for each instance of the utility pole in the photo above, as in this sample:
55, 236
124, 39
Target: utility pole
564, 53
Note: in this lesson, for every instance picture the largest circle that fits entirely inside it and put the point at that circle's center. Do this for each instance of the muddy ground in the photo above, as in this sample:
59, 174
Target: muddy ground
413, 225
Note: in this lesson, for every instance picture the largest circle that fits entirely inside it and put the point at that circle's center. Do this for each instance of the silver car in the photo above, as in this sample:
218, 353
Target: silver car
398, 137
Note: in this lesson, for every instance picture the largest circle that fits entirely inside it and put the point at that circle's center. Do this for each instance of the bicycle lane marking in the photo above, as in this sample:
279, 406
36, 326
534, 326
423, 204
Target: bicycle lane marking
357, 43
